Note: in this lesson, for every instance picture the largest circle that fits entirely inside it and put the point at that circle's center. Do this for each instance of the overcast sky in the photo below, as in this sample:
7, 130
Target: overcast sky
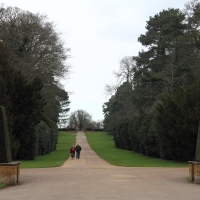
99, 33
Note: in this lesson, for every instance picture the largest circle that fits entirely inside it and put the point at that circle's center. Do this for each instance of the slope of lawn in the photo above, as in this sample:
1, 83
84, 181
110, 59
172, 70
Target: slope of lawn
55, 158
103, 145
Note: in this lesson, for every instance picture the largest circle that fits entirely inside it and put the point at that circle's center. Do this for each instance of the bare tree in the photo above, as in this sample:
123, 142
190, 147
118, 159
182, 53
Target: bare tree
80, 118
124, 74
36, 48
97, 124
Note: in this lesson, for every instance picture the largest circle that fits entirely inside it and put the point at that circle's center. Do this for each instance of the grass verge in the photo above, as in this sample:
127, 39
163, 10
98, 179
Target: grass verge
2, 185
103, 145
55, 158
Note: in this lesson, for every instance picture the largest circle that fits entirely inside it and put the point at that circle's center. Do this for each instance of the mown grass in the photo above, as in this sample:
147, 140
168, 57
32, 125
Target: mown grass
103, 145
56, 158
2, 185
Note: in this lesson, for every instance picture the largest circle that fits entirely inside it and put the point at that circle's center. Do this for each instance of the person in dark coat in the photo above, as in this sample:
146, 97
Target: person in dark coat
78, 151
72, 151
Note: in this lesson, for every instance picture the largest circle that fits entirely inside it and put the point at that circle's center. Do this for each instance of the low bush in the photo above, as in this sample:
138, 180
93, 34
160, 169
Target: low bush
55, 158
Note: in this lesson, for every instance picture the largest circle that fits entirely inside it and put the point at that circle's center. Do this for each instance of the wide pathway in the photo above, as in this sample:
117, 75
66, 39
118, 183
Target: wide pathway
91, 178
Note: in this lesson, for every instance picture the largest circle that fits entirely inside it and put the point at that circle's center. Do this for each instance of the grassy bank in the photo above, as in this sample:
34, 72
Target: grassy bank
56, 158
104, 146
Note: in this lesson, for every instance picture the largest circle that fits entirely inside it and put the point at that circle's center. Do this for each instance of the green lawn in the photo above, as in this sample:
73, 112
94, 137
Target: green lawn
2, 185
104, 146
56, 158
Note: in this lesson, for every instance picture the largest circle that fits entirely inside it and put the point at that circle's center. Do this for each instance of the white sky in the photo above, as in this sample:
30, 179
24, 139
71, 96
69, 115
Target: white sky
99, 33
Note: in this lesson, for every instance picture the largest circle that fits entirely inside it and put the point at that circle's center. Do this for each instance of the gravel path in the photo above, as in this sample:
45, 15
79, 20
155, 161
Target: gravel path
91, 178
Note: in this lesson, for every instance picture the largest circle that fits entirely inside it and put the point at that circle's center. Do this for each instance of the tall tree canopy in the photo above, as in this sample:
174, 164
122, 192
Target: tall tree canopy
158, 116
24, 104
37, 51
33, 60
160, 67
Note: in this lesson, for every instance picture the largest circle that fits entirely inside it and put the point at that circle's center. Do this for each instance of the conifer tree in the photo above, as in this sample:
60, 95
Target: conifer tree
198, 146
5, 151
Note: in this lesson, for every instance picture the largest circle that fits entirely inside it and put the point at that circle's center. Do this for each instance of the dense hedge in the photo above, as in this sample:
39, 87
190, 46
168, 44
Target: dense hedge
47, 136
88, 129
66, 129
143, 136
169, 131
162, 104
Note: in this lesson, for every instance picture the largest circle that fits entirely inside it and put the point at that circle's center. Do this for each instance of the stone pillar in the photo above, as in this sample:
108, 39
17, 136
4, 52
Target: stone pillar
191, 170
196, 172
9, 173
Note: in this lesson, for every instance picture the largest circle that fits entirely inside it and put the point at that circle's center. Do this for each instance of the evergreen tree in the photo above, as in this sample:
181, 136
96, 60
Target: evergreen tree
24, 105
158, 67
28, 112
37, 51
197, 158
117, 113
177, 123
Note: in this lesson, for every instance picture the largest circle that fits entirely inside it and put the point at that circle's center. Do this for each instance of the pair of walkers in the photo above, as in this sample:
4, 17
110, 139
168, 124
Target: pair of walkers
75, 149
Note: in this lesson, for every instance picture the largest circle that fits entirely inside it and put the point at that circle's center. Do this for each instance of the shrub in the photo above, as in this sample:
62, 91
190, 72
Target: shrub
177, 120
47, 137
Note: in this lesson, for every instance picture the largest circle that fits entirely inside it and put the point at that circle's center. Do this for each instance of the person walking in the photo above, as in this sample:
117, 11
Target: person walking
78, 151
72, 151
